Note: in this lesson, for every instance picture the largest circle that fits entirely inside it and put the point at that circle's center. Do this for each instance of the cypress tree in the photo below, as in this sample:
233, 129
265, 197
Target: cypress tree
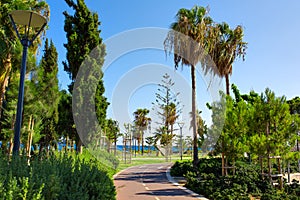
65, 127
83, 37
48, 93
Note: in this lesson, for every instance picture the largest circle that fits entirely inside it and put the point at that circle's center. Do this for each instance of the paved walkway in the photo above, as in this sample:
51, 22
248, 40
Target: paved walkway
149, 182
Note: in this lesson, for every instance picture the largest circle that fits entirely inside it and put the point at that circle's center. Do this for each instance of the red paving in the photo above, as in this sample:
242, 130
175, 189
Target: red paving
148, 182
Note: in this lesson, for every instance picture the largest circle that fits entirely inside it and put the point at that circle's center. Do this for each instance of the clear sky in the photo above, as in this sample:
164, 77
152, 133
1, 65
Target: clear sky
271, 29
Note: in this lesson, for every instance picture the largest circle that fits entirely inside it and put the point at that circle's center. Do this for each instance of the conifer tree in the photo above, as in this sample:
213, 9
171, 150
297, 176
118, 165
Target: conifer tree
48, 93
83, 37
166, 103
168, 110
65, 126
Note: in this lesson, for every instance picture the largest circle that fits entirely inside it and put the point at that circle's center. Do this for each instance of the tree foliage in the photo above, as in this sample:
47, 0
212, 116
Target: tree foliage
10, 47
192, 36
141, 122
85, 49
260, 125
166, 105
47, 95
83, 35
227, 45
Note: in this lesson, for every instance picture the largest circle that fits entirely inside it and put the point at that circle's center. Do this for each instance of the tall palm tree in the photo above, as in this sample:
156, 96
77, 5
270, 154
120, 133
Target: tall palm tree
141, 121
228, 46
195, 24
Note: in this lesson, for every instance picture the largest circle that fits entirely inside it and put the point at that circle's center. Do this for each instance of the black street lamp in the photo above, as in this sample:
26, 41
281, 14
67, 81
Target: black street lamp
29, 22
181, 124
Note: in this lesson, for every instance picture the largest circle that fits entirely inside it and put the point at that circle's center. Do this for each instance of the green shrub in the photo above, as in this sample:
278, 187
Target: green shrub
180, 168
210, 166
57, 177
246, 182
293, 189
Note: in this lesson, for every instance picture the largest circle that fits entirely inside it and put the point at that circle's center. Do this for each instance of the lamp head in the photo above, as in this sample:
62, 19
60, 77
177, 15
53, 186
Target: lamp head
180, 124
28, 18
27, 24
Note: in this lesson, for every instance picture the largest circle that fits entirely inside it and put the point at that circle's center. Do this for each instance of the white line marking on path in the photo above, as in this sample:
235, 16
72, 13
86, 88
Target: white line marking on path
156, 198
144, 184
146, 188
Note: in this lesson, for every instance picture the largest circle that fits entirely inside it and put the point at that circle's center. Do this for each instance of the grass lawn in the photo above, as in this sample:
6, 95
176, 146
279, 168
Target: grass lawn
148, 159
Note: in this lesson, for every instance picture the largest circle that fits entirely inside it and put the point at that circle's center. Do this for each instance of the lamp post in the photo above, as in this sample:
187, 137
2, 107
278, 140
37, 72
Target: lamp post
181, 124
30, 21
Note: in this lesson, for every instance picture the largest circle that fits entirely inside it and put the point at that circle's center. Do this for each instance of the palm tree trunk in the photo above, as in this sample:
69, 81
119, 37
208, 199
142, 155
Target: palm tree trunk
134, 147
142, 134
227, 84
139, 144
194, 123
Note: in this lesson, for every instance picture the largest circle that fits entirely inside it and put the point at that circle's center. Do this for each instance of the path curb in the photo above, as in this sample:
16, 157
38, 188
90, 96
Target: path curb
172, 180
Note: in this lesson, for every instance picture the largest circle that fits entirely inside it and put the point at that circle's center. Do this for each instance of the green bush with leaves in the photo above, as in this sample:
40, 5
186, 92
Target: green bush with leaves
180, 168
246, 183
57, 177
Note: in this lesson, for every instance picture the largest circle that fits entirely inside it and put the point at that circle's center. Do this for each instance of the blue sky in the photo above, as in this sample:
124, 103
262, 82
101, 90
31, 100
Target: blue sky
271, 30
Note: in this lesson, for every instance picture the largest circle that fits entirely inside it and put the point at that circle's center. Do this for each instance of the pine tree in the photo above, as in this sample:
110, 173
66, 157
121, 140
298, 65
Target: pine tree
168, 110
166, 103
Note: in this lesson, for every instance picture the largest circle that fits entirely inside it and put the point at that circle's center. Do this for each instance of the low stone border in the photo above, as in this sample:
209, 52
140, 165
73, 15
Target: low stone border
172, 180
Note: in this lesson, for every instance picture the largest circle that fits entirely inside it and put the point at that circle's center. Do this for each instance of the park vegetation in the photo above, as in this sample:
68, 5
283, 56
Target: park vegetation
261, 150
40, 171
255, 134
253, 138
